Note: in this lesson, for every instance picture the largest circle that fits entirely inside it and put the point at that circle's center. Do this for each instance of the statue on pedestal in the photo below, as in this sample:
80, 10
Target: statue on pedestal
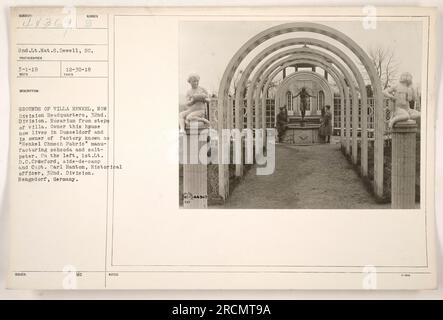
304, 95
196, 99
402, 94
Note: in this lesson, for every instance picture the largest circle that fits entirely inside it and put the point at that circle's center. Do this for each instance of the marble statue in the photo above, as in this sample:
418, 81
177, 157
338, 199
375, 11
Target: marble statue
196, 99
402, 94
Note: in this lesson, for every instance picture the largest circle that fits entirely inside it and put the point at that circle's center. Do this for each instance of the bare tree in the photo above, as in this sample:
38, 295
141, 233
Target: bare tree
385, 63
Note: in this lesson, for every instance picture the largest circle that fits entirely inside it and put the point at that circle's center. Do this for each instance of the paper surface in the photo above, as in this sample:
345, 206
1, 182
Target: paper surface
94, 180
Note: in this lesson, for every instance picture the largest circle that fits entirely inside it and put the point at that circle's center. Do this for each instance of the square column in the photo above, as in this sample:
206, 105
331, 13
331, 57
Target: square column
403, 165
195, 167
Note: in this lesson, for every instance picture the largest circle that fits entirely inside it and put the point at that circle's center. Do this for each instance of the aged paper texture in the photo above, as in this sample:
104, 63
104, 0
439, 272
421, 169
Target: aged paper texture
222, 148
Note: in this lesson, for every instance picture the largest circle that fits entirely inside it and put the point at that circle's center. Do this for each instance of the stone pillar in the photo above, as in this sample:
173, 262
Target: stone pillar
284, 73
195, 168
326, 75
403, 165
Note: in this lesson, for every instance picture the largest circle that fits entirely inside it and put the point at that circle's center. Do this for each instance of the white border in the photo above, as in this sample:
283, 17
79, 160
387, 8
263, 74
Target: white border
4, 137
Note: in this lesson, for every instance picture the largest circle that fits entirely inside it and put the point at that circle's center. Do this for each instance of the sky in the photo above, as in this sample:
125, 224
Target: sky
206, 47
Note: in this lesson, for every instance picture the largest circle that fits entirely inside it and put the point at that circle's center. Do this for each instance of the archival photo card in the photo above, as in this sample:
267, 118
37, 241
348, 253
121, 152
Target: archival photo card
222, 148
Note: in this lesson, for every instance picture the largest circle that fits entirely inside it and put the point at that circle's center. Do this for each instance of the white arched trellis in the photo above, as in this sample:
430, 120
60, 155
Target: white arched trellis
319, 29
258, 75
312, 53
316, 61
287, 82
348, 62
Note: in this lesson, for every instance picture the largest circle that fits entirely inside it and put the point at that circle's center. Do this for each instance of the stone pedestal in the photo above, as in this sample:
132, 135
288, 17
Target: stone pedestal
195, 168
403, 165
303, 135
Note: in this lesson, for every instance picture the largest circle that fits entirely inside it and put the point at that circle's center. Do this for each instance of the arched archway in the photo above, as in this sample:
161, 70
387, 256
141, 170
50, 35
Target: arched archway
260, 107
287, 85
333, 34
310, 54
336, 51
338, 78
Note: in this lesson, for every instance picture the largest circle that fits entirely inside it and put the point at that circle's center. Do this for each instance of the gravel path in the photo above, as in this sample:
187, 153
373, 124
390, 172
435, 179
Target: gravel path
305, 177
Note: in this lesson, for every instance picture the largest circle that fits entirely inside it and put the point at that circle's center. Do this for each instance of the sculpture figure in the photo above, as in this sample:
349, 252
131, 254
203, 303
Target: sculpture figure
196, 99
304, 95
402, 94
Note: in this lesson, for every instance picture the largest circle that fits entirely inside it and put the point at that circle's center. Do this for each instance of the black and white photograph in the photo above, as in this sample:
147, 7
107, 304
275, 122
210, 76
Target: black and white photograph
225, 151
302, 114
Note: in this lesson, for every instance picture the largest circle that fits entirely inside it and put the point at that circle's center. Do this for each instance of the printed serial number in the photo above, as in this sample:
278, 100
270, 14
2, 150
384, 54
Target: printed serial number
238, 309
222, 309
